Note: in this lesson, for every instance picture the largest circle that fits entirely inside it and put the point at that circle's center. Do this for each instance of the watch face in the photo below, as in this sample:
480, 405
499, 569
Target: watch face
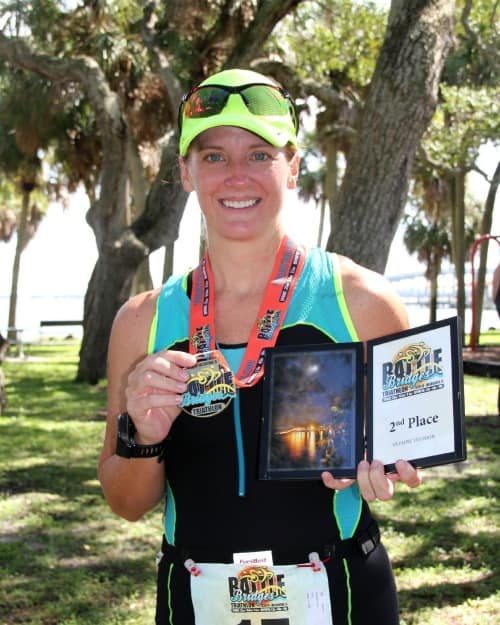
123, 442
211, 386
126, 447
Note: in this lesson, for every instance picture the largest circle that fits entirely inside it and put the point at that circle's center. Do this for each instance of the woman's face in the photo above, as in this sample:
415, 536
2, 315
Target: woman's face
240, 180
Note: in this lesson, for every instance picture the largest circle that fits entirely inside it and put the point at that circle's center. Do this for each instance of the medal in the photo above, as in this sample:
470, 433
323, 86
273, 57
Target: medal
210, 386
213, 384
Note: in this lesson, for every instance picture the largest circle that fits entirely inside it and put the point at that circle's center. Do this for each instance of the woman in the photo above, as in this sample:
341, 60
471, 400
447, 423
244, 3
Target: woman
238, 153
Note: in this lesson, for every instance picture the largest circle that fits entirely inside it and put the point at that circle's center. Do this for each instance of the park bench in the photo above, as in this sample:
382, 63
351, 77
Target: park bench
60, 322
15, 340
55, 323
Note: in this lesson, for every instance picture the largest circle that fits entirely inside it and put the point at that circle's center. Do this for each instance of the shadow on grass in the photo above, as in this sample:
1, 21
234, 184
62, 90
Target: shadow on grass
54, 399
88, 593
71, 481
445, 594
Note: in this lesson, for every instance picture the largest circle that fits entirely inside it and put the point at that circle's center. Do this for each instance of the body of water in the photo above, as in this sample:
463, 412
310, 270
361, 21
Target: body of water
33, 309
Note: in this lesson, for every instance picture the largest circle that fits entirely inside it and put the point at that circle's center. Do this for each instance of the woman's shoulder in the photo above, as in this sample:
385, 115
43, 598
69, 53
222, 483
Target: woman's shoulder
133, 320
138, 305
374, 304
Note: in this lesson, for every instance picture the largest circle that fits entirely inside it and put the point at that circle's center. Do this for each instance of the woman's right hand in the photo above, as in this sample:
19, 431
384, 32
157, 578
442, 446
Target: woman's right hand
154, 391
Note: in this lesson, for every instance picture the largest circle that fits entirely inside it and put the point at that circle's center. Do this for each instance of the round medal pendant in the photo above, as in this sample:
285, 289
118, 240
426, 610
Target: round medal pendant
211, 386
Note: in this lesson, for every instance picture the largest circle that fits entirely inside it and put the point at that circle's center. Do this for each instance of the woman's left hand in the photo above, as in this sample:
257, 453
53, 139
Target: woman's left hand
373, 482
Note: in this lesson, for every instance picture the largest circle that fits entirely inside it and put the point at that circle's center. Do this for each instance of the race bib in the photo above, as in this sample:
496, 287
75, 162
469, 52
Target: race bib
232, 594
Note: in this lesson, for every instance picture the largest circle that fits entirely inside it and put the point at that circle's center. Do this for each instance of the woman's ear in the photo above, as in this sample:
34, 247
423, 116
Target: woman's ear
185, 177
293, 171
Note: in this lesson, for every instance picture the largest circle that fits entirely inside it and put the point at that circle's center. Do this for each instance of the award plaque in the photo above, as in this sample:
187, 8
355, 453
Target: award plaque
415, 408
313, 416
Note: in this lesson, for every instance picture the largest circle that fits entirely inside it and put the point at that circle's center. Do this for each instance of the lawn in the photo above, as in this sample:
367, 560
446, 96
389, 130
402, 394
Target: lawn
65, 559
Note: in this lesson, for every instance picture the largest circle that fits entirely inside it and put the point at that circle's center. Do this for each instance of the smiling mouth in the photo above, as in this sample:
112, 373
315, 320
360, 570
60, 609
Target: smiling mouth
239, 203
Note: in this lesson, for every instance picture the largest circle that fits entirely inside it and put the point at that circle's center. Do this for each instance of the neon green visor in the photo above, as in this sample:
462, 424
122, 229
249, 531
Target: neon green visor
241, 98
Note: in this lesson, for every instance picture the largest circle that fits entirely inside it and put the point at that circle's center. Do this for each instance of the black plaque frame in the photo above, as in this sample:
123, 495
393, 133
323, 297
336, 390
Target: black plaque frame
415, 407
313, 411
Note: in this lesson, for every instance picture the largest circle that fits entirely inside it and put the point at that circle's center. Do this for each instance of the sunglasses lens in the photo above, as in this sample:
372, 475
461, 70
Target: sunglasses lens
260, 99
205, 101
263, 100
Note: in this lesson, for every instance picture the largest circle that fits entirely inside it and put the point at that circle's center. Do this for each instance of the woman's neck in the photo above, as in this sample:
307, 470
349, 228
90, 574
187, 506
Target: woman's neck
243, 268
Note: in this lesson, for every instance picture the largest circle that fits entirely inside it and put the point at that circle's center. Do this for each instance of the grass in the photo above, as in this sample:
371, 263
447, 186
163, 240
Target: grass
489, 337
65, 559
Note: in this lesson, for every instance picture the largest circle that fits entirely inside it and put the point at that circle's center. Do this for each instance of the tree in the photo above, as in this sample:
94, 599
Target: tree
334, 50
401, 100
21, 170
431, 243
376, 118
178, 51
466, 120
468, 116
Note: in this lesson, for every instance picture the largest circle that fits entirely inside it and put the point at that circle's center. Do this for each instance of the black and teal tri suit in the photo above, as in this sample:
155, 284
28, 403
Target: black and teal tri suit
215, 503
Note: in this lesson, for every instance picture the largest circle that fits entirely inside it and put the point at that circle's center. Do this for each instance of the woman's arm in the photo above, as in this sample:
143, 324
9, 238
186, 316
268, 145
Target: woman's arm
149, 388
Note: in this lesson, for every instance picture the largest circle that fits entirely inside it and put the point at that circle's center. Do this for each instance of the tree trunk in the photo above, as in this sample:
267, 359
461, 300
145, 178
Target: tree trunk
457, 184
168, 261
321, 225
400, 103
485, 229
16, 265
108, 289
433, 297
332, 179
142, 280
433, 301
137, 193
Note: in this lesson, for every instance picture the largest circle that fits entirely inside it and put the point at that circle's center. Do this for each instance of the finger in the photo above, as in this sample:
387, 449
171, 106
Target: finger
183, 360
381, 484
150, 381
335, 483
144, 403
408, 474
364, 483
171, 363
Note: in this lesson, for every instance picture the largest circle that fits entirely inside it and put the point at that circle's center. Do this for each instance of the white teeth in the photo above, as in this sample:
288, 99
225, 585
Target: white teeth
241, 204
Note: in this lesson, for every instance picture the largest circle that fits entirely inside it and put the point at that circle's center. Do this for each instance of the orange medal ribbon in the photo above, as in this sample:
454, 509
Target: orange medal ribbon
286, 271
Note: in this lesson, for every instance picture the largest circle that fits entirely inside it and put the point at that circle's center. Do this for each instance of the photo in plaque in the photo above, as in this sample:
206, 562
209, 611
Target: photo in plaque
313, 417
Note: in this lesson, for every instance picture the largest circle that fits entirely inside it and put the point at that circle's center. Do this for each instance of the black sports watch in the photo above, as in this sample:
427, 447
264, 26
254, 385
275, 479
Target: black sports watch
126, 447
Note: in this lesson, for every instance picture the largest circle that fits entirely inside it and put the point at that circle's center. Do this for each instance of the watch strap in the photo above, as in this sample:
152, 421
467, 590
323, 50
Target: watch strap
126, 447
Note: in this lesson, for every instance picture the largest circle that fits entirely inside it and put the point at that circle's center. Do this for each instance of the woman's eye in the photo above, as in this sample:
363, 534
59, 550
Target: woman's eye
213, 157
260, 156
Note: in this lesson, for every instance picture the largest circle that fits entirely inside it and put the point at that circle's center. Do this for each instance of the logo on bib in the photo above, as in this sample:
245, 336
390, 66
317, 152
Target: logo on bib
258, 589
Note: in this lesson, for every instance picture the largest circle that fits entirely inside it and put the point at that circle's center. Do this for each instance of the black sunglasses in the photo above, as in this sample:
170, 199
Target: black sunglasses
259, 98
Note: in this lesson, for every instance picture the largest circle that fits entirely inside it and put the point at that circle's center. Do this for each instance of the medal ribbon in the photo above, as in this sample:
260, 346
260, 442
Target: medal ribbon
286, 271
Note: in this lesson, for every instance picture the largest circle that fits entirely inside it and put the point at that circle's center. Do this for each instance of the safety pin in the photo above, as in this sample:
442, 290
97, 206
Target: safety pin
315, 561
192, 567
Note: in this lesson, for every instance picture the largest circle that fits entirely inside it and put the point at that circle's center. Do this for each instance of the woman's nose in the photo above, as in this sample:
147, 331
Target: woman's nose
237, 175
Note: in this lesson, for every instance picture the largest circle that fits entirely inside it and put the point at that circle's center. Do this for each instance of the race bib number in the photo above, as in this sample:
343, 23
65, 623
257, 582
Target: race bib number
232, 594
